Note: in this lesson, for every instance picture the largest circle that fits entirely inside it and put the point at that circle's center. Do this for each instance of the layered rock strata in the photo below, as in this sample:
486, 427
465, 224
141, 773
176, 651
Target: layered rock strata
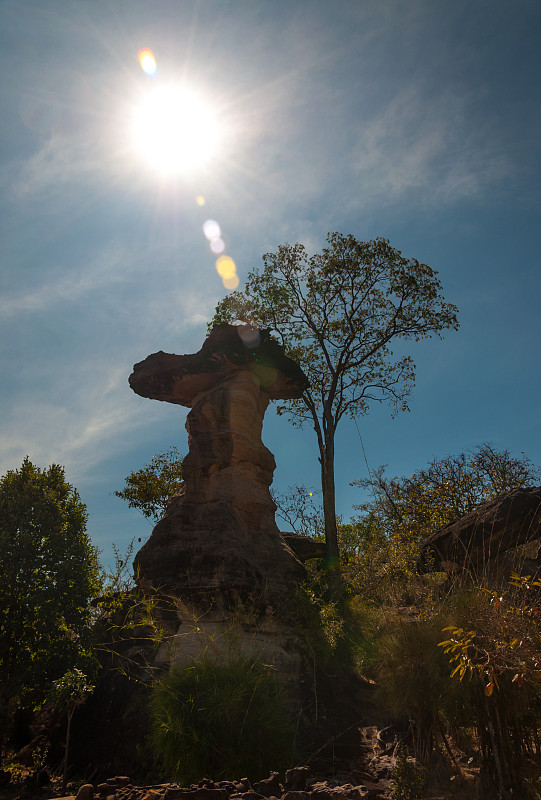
487, 534
219, 536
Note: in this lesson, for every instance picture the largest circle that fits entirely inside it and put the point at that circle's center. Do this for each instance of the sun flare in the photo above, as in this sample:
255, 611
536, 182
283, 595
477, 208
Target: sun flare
175, 130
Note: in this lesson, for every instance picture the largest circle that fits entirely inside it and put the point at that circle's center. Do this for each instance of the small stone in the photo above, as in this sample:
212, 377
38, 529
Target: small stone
86, 792
348, 791
295, 795
118, 780
295, 779
248, 796
321, 791
269, 786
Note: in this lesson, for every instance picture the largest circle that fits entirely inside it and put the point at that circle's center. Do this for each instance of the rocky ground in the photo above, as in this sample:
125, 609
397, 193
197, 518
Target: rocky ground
367, 776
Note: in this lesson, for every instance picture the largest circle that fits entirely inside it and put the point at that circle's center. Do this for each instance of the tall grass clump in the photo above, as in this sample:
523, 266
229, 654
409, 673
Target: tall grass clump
413, 678
221, 717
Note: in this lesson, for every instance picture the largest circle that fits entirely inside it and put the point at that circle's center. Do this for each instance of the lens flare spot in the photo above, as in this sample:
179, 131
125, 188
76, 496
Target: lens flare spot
211, 229
263, 374
217, 246
226, 268
200, 200
231, 283
147, 61
251, 337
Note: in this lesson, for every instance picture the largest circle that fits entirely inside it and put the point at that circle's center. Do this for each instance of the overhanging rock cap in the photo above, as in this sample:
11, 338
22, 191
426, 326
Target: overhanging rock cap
228, 349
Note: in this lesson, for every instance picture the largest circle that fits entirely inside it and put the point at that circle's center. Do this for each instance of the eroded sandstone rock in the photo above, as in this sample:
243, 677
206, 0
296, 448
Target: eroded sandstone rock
488, 533
219, 536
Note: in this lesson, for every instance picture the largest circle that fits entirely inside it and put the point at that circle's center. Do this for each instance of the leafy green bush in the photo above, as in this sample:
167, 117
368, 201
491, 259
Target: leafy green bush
407, 781
221, 717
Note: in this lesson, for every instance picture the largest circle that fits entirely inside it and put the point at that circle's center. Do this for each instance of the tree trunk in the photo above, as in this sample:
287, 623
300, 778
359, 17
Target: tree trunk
332, 555
66, 751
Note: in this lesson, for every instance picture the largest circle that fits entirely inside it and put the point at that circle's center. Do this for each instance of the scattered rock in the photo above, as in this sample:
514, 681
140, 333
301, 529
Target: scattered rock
86, 792
296, 779
119, 780
295, 794
243, 785
366, 786
251, 795
269, 786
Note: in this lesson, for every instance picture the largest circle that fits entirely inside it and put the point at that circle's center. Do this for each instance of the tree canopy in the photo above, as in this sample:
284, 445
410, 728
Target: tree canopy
338, 313
446, 489
148, 489
50, 572
381, 548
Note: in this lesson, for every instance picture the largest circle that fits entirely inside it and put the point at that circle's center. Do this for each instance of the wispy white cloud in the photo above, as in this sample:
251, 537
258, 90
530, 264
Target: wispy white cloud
429, 146
61, 158
108, 266
73, 405
78, 419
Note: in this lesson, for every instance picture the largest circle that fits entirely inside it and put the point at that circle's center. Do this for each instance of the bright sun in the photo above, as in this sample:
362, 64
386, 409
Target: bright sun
175, 130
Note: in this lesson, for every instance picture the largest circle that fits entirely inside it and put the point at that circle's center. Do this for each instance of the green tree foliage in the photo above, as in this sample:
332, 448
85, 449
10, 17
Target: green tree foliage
491, 635
338, 314
375, 565
404, 511
494, 649
505, 641
407, 782
413, 681
70, 691
49, 574
447, 489
148, 489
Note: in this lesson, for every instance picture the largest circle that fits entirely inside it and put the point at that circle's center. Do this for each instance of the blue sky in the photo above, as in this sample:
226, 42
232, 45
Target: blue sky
418, 121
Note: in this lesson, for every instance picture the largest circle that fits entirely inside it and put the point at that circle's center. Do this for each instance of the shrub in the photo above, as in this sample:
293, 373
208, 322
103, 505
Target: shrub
407, 781
413, 678
221, 717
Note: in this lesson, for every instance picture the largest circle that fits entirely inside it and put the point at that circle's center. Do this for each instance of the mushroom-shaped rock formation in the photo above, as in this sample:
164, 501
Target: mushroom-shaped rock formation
219, 537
